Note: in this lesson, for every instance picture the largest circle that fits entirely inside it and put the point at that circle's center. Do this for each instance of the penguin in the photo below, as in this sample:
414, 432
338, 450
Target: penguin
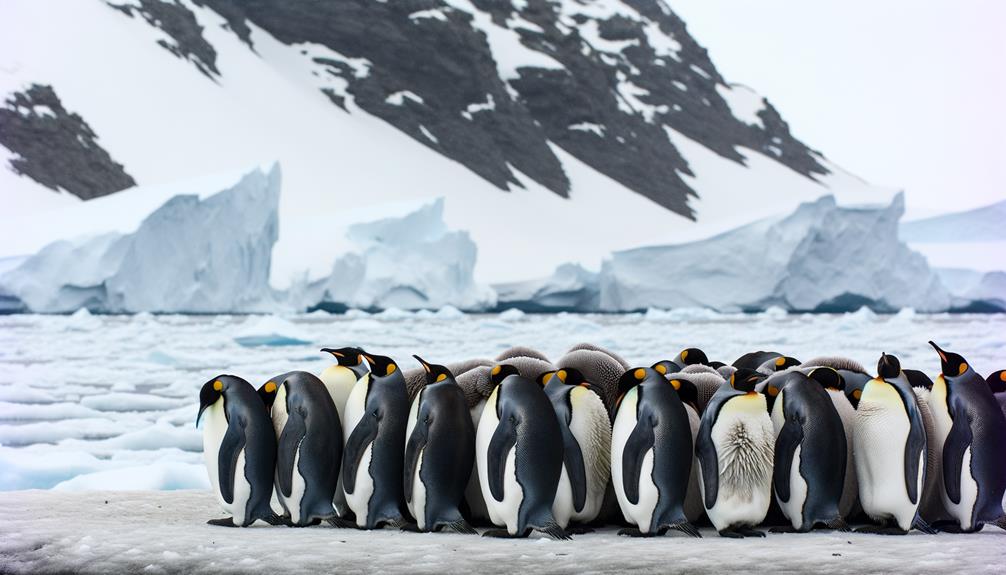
690, 356
586, 436
834, 385
854, 376
810, 450
971, 428
309, 446
997, 383
651, 455
239, 447
687, 386
439, 453
519, 455
374, 430
735, 449
340, 379
890, 457
931, 508
765, 361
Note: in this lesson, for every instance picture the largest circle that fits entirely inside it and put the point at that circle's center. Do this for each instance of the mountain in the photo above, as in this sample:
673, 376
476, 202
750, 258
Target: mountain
556, 131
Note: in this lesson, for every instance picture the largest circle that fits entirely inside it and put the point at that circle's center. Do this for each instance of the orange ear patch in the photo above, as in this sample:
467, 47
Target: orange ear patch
391, 368
857, 393
780, 361
676, 383
661, 369
442, 377
218, 385
496, 370
963, 368
639, 374
270, 387
1002, 375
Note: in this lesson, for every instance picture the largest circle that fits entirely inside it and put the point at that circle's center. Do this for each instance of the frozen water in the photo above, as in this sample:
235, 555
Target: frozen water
157, 532
86, 394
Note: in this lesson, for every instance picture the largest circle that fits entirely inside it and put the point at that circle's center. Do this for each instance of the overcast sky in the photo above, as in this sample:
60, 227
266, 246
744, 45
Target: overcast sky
905, 93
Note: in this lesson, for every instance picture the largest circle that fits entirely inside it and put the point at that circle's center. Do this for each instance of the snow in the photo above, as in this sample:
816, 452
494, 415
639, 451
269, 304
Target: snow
589, 127
821, 255
150, 531
744, 103
398, 98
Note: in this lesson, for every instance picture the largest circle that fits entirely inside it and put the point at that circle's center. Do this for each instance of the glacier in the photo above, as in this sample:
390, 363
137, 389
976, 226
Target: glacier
822, 257
191, 254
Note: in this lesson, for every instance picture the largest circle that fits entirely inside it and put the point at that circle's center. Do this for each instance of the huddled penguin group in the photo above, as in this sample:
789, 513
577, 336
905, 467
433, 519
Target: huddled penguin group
520, 444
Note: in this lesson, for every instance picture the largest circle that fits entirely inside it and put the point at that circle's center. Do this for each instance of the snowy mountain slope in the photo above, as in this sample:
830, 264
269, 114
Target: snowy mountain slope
166, 121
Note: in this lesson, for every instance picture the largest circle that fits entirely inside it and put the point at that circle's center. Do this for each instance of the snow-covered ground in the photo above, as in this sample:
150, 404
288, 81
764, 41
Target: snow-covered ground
166, 532
109, 402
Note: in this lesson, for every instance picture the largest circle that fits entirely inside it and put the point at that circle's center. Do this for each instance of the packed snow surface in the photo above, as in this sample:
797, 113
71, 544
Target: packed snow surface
92, 401
161, 532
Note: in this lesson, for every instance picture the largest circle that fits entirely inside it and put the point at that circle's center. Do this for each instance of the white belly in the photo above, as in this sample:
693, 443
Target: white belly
639, 514
417, 506
942, 422
880, 435
847, 413
745, 443
473, 492
964, 511
292, 504
359, 499
591, 428
562, 505
793, 509
214, 427
503, 513
340, 386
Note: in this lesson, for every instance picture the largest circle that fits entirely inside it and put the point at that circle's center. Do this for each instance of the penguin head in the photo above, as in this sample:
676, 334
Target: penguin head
666, 367
918, 379
781, 363
214, 389
828, 378
686, 391
888, 367
745, 379
952, 365
345, 356
716, 364
501, 371
435, 373
997, 381
632, 378
569, 376
380, 365
691, 356
268, 393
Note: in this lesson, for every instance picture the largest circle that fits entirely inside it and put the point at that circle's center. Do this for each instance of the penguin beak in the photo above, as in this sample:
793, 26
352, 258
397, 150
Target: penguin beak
943, 355
332, 351
199, 416
422, 362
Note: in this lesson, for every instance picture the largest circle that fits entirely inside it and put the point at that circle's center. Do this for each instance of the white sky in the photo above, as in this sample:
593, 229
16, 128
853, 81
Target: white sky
905, 93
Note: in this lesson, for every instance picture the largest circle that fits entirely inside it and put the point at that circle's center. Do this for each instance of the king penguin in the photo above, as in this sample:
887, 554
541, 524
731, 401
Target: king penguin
971, 428
439, 452
372, 467
810, 449
239, 447
735, 449
834, 385
586, 436
309, 446
687, 386
651, 455
890, 456
519, 455
339, 380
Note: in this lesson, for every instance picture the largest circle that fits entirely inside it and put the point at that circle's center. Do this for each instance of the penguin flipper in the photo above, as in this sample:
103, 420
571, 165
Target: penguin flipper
417, 441
230, 449
289, 443
789, 439
958, 441
575, 468
640, 441
503, 440
709, 464
363, 435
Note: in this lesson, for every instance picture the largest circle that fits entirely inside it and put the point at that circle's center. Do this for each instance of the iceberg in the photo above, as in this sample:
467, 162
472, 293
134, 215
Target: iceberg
410, 262
570, 288
822, 258
192, 254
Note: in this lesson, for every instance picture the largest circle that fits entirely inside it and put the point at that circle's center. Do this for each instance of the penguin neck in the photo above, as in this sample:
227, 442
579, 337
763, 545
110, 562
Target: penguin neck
359, 369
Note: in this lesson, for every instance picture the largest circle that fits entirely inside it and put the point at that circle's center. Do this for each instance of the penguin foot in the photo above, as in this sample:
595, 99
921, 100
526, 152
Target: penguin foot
1000, 523
838, 524
341, 523
633, 532
460, 526
396, 523
412, 528
225, 522
579, 530
685, 527
553, 531
750, 532
881, 530
501, 534
783, 529
275, 519
730, 534
948, 526
924, 526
